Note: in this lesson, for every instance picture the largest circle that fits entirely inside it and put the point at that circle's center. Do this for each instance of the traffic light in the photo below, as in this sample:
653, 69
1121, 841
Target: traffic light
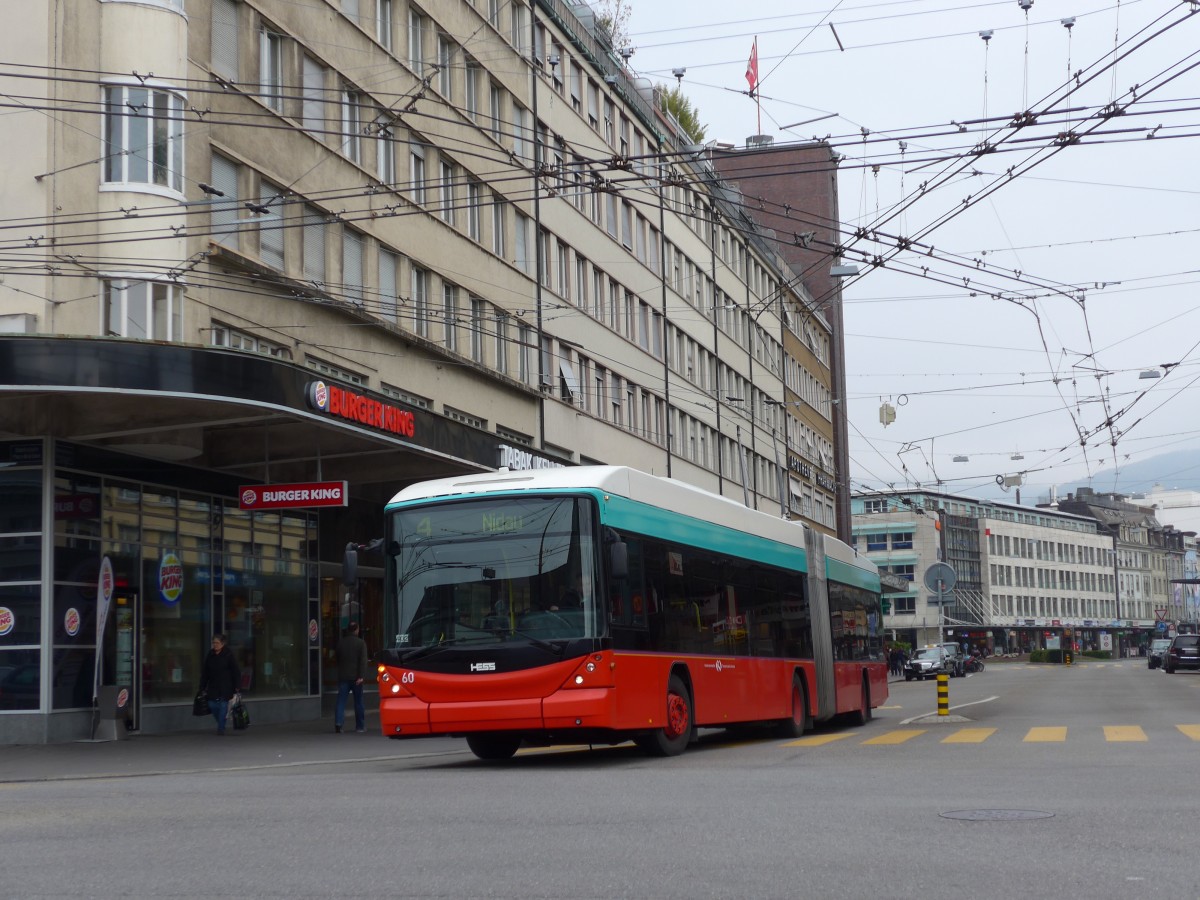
887, 605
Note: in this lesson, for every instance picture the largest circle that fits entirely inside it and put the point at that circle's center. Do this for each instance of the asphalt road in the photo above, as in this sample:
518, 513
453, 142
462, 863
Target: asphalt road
1071, 782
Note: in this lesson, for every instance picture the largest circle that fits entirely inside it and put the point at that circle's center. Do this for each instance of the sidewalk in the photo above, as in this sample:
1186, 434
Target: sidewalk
290, 744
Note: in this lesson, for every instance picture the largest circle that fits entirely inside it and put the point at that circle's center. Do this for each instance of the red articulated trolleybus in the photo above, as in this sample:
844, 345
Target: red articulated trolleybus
599, 604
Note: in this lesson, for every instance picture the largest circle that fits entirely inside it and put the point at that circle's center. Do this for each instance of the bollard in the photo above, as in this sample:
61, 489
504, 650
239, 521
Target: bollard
943, 695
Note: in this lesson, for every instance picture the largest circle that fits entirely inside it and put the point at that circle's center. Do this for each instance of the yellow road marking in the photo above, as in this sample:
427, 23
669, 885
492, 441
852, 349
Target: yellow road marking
896, 737
1192, 731
1045, 735
1124, 733
817, 740
969, 736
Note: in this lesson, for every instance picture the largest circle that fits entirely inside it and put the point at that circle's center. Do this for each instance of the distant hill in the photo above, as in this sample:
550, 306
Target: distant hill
1179, 469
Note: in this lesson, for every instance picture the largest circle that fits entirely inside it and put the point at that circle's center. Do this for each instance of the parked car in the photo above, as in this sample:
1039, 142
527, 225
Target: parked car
956, 658
928, 663
1184, 653
1158, 647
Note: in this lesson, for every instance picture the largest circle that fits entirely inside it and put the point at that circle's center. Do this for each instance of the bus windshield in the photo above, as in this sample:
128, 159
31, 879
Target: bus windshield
494, 570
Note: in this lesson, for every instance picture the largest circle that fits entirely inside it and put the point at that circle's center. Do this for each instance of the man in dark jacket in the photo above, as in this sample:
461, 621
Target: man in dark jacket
353, 669
220, 678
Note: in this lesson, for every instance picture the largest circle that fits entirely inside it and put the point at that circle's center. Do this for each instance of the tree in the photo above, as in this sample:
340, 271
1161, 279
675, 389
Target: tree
613, 17
677, 104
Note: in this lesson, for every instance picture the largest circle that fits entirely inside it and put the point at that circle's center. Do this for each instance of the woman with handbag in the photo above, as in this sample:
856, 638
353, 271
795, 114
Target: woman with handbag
219, 679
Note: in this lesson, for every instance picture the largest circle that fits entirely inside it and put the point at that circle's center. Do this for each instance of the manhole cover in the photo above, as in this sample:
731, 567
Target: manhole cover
996, 815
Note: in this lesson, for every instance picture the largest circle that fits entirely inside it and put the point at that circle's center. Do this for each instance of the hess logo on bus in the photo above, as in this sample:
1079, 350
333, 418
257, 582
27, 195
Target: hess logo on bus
483, 667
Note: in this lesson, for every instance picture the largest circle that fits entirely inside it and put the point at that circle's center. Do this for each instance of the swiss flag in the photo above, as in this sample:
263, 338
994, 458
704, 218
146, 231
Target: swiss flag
752, 66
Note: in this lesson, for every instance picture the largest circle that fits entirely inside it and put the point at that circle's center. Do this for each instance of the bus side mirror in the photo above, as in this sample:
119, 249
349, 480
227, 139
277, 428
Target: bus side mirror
618, 560
350, 565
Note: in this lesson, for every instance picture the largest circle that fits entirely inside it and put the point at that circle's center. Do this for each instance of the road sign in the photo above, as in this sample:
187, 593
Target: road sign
940, 578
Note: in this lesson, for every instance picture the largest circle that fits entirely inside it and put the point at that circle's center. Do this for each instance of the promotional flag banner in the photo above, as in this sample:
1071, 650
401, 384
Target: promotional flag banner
752, 66
104, 593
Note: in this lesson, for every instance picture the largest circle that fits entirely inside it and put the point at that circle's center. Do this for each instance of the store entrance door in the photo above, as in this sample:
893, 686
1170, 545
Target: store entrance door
127, 668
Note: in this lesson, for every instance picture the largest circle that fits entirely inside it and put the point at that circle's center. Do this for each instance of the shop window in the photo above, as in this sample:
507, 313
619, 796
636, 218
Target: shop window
20, 683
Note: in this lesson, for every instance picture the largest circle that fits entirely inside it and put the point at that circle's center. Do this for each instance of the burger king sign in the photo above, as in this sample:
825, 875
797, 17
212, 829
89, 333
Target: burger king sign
170, 578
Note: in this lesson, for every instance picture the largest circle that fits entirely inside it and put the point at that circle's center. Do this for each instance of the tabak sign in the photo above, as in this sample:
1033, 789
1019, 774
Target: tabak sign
353, 407
293, 496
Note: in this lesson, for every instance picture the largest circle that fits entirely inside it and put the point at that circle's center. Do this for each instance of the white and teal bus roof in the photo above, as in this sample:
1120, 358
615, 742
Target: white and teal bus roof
666, 508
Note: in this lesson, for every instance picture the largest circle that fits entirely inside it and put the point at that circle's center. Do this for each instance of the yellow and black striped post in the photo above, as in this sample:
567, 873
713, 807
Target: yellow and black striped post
943, 695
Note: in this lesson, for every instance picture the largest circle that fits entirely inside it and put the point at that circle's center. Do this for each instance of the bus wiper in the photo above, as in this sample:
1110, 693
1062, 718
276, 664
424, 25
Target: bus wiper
420, 652
556, 649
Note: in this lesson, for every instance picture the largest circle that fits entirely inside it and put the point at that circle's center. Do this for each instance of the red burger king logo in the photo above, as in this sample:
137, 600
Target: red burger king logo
122, 698
249, 497
7, 620
71, 622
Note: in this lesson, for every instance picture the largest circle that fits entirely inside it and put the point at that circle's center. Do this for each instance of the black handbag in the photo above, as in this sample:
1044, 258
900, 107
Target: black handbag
240, 716
200, 704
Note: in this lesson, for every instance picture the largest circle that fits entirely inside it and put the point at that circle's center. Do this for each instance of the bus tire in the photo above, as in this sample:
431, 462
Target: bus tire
798, 722
863, 716
673, 738
493, 746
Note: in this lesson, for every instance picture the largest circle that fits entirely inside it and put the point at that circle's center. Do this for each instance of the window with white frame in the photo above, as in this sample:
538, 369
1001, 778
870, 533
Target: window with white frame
474, 200
143, 136
224, 207
385, 149
383, 23
224, 39
416, 173
142, 309
522, 133
314, 245
464, 417
420, 301
389, 267
352, 266
500, 346
269, 218
224, 336
447, 198
525, 336
270, 68
498, 224
408, 397
329, 370
524, 259
446, 66
416, 41
352, 123
471, 75
312, 104
496, 109
450, 316
350, 10
478, 314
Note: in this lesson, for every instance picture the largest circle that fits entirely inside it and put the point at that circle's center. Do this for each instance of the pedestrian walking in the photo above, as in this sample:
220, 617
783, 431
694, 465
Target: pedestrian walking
220, 679
352, 667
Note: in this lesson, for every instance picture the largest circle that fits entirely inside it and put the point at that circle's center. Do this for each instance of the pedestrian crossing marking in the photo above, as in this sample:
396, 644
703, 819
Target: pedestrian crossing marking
818, 740
1045, 735
969, 736
1192, 731
898, 736
1124, 733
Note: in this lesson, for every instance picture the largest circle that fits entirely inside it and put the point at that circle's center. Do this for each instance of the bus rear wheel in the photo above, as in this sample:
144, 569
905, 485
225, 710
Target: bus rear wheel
673, 738
799, 721
863, 716
493, 746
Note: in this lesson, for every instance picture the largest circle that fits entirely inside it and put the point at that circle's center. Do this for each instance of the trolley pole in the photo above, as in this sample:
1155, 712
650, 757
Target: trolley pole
943, 683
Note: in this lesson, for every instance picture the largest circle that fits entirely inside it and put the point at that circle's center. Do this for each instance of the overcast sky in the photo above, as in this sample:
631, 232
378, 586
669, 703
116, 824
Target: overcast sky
1024, 332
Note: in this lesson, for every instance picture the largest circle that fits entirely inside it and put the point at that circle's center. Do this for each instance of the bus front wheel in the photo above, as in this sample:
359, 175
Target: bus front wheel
799, 722
493, 746
673, 738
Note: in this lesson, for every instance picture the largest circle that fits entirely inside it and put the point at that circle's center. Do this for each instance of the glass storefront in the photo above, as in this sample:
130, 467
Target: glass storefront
185, 565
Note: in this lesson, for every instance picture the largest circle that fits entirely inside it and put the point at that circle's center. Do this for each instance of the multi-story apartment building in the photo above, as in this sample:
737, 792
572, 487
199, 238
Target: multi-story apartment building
1025, 576
1151, 558
258, 248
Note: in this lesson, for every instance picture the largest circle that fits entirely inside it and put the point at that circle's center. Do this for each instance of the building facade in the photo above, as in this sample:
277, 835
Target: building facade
273, 248
1026, 578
